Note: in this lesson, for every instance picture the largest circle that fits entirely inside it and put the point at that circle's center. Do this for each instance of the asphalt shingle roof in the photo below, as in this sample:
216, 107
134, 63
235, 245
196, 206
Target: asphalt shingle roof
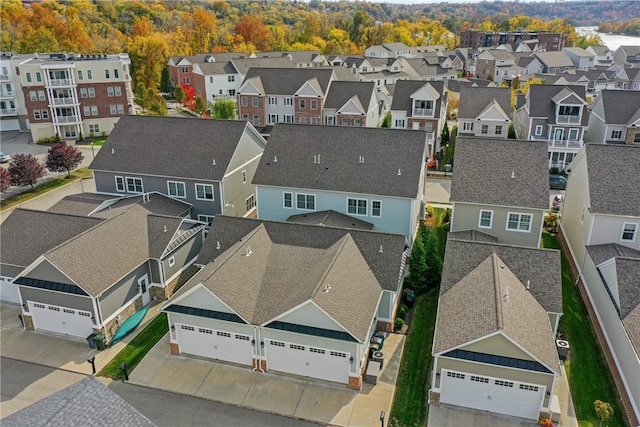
393, 159
541, 104
473, 100
143, 145
340, 92
330, 219
287, 81
621, 107
243, 65
614, 183
554, 59
404, 89
151, 203
80, 204
501, 172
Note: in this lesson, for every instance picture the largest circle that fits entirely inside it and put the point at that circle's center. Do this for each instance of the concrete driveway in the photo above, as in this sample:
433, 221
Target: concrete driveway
295, 397
454, 416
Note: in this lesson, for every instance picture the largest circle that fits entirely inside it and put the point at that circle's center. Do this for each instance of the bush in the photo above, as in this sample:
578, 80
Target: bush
430, 211
48, 140
545, 422
398, 324
402, 312
446, 216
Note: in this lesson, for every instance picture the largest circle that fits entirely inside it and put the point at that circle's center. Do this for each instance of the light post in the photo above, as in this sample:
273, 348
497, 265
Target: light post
382, 414
93, 154
92, 360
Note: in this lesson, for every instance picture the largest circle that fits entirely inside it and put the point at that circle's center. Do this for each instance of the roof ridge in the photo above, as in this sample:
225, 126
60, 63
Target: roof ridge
57, 213
498, 296
342, 241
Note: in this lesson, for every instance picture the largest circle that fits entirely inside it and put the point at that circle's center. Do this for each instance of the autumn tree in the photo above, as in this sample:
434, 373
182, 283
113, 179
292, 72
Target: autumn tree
200, 30
253, 31
5, 180
25, 170
166, 85
200, 105
63, 158
224, 109
178, 94
604, 411
148, 54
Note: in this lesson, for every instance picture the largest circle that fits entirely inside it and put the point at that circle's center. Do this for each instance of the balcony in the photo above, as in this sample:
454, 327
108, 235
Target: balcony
4, 77
423, 112
63, 101
60, 120
7, 94
60, 82
565, 143
567, 119
8, 111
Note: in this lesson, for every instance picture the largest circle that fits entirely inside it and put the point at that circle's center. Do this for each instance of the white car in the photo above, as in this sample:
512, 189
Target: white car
4, 158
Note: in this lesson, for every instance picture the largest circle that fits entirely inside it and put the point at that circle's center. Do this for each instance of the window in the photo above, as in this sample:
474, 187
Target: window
528, 387
302, 104
41, 96
479, 379
616, 134
485, 129
33, 95
116, 73
486, 219
306, 202
223, 334
79, 74
243, 101
297, 347
204, 191
231, 78
288, 118
120, 109
573, 134
119, 183
109, 91
177, 189
106, 74
356, 206
92, 92
629, 232
566, 110
376, 208
184, 69
112, 109
187, 328
303, 120
83, 92
538, 130
254, 101
314, 104
206, 218
273, 100
205, 331
45, 114
455, 375
186, 80
242, 337
232, 92
250, 202
276, 343
94, 110
273, 118
519, 222
28, 77
498, 130
287, 200
503, 383
256, 119
288, 101
244, 177
134, 185
36, 114
399, 123
172, 261
38, 76
314, 120
89, 75
245, 117
86, 110
468, 126
345, 121
94, 128
316, 350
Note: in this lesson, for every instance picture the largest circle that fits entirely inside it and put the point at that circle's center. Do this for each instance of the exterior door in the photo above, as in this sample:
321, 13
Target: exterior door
143, 285
214, 344
557, 134
61, 320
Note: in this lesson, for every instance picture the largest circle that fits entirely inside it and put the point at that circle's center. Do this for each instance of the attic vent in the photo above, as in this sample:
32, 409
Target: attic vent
381, 250
361, 159
218, 245
275, 159
113, 151
165, 228
327, 287
513, 174
399, 172
528, 284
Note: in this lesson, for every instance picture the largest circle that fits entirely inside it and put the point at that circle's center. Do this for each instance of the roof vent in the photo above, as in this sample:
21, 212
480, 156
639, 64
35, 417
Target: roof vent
513, 174
165, 228
316, 159
248, 251
113, 151
381, 250
505, 297
361, 159
327, 287
528, 284
213, 162
275, 159
399, 172
218, 245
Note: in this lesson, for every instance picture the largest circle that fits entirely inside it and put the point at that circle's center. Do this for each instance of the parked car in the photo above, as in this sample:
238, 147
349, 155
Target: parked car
4, 158
557, 201
557, 182
409, 297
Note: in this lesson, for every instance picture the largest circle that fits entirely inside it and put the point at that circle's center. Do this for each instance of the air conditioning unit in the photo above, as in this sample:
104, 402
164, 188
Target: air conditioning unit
563, 349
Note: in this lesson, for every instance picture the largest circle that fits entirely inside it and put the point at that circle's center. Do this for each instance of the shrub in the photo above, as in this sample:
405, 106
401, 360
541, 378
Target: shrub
47, 140
402, 312
446, 216
398, 324
545, 422
430, 210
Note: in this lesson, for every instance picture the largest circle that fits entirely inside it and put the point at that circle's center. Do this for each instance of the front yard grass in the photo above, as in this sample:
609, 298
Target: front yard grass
133, 353
587, 370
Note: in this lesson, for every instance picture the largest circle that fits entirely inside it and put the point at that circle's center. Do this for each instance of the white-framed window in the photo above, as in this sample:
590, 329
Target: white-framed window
250, 202
616, 134
356, 206
303, 120
287, 200
204, 192
83, 92
38, 76
573, 134
254, 101
244, 101
116, 73
486, 219
33, 95
376, 208
205, 218
134, 185
629, 230
45, 114
288, 101
356, 122
172, 261
288, 118
232, 92
120, 109
345, 121
92, 92
273, 118
244, 177
314, 120
273, 100
94, 128
41, 95
306, 202
467, 126
118, 90
79, 74
94, 110
184, 69
186, 80
86, 110
519, 222
256, 119
177, 189
314, 104
399, 123
498, 130
484, 130
538, 130
28, 77
112, 109
302, 103
120, 184
106, 74
231, 78
110, 91
89, 75
36, 114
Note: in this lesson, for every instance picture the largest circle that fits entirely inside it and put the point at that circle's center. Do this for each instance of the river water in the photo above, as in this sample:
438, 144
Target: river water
612, 41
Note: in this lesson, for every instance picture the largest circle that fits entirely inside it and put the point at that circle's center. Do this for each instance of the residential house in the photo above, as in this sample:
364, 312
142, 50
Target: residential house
477, 39
556, 114
495, 64
554, 62
628, 78
206, 163
352, 104
13, 114
627, 55
600, 222
501, 188
389, 50
430, 68
465, 60
604, 55
615, 118
284, 95
181, 68
494, 344
581, 58
244, 307
420, 105
301, 58
528, 66
484, 111
376, 175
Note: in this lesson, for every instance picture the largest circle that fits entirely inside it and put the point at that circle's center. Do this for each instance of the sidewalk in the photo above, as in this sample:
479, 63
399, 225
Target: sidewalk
295, 397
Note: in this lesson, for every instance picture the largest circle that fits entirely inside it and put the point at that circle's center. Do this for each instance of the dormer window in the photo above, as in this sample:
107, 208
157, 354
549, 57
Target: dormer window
568, 114
422, 107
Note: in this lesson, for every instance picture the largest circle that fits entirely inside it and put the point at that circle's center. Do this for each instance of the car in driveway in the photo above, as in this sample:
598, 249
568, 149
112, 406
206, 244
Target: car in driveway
4, 158
557, 182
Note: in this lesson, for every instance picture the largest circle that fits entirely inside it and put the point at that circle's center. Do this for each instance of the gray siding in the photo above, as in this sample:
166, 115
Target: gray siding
186, 252
46, 271
596, 130
236, 192
7, 270
106, 183
56, 298
154, 270
114, 298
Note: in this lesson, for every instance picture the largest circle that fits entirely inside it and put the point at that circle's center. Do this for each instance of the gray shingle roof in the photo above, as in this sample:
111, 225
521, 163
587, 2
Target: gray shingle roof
243, 65
621, 107
600, 50
554, 59
473, 100
27, 234
86, 203
80, 204
472, 235
501, 172
287, 81
330, 219
631, 324
404, 89
385, 152
227, 231
85, 403
341, 92
488, 299
212, 68
143, 145
613, 178
539, 267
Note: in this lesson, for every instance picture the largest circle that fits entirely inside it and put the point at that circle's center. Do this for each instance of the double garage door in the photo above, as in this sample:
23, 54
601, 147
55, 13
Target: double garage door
491, 394
61, 320
308, 361
214, 344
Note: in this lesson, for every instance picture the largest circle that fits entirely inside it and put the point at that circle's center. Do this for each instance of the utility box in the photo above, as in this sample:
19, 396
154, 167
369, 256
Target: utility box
563, 349
373, 371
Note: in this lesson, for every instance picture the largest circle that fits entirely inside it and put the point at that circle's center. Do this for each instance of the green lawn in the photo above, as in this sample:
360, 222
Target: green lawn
13, 201
587, 370
133, 353
98, 142
409, 403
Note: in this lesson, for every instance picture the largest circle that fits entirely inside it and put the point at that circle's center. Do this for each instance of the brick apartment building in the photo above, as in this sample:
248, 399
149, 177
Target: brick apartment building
69, 94
478, 39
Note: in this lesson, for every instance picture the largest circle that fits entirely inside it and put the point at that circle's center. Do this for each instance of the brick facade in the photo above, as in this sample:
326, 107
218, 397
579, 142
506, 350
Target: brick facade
422, 123
247, 112
303, 111
158, 293
174, 348
355, 383
351, 120
102, 100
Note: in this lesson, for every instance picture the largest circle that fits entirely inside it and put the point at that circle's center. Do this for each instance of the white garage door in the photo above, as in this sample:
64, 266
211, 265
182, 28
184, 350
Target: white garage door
12, 124
308, 361
9, 291
214, 344
491, 394
61, 320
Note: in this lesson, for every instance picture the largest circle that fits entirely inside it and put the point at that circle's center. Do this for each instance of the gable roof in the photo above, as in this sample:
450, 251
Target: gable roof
501, 172
26, 234
541, 102
600, 50
621, 107
109, 205
330, 219
473, 100
287, 81
213, 68
244, 64
80, 204
489, 299
341, 92
613, 178
386, 152
143, 145
554, 59
403, 90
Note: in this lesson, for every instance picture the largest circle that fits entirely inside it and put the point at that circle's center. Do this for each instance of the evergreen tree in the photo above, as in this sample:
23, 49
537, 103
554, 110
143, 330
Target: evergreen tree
166, 85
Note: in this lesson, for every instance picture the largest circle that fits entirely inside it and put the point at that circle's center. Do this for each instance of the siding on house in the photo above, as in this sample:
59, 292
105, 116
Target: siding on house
186, 252
115, 297
42, 296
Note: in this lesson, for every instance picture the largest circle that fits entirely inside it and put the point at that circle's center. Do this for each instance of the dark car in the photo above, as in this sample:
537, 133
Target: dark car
557, 182
409, 297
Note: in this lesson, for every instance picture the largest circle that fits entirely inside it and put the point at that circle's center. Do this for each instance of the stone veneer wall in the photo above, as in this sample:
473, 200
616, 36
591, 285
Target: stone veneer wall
112, 326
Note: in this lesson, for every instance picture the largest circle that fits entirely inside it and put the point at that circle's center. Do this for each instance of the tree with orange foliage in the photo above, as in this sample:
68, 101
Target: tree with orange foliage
254, 32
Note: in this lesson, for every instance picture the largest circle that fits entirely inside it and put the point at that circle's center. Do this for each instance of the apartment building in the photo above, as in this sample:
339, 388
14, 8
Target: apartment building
72, 95
546, 41
12, 114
